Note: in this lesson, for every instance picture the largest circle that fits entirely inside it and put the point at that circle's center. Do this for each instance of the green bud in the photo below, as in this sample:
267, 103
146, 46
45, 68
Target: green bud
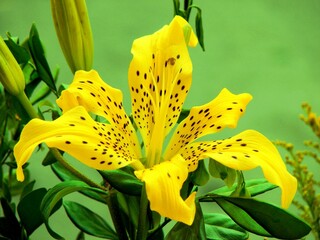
74, 32
11, 75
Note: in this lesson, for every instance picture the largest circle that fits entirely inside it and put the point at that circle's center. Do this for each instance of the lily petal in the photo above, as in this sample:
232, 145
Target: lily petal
98, 145
223, 111
90, 91
163, 184
159, 78
245, 151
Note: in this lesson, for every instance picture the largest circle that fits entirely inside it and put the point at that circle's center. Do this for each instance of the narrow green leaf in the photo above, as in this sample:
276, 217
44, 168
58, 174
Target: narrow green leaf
254, 186
123, 181
277, 221
20, 53
55, 194
194, 232
88, 221
242, 218
64, 175
184, 113
39, 59
263, 218
176, 7
219, 226
49, 159
199, 28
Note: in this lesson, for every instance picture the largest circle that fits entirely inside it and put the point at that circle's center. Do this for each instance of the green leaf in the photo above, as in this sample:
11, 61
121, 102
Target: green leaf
176, 7
5, 190
80, 236
217, 170
199, 28
39, 59
9, 225
194, 232
27, 189
88, 221
64, 175
184, 113
6, 231
49, 159
123, 181
20, 53
219, 226
55, 194
29, 210
254, 186
263, 218
200, 176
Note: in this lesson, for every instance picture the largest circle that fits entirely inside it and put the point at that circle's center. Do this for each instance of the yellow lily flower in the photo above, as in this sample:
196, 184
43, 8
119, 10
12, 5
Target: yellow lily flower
159, 79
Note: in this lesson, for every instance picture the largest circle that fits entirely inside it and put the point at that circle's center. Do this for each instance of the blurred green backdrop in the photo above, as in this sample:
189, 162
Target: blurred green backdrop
269, 48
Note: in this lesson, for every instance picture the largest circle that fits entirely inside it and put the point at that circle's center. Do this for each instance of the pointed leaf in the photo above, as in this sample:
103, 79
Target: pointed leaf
29, 210
122, 181
254, 186
55, 194
199, 28
20, 53
88, 221
64, 175
263, 218
194, 232
39, 59
184, 113
219, 226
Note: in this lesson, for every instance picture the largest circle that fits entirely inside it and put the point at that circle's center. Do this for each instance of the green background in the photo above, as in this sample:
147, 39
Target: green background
268, 48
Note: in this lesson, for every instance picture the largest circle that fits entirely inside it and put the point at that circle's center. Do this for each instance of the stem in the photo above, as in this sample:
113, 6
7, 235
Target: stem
142, 224
72, 170
115, 215
25, 102
22, 97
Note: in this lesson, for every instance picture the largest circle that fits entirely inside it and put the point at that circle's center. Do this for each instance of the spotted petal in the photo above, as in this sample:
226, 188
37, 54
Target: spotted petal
160, 78
98, 145
247, 150
223, 111
163, 185
90, 91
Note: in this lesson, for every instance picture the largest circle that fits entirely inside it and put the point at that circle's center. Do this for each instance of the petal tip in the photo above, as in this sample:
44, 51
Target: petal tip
20, 174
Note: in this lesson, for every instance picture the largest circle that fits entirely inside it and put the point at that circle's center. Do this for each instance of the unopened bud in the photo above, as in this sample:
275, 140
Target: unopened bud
74, 32
11, 75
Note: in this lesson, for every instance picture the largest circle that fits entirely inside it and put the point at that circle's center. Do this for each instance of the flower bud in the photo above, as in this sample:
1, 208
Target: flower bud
74, 32
11, 75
